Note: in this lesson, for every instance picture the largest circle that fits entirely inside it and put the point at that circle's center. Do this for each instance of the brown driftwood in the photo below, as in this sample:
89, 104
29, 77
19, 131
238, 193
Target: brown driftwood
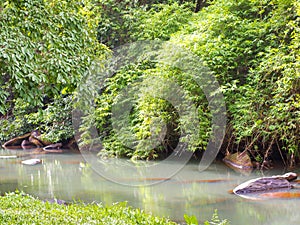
17, 141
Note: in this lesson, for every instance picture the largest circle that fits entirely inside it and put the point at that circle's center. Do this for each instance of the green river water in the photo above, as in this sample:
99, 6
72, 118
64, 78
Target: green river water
67, 176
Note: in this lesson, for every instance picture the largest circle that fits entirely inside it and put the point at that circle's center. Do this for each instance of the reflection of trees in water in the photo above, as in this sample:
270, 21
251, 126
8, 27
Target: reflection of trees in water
202, 195
51, 179
8, 185
152, 200
275, 212
7, 182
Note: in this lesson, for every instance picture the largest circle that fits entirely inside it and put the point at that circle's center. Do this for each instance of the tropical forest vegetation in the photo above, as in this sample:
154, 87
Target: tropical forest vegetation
57, 66
250, 46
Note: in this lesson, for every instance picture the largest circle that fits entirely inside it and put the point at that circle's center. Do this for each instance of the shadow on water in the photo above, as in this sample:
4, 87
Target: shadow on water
68, 177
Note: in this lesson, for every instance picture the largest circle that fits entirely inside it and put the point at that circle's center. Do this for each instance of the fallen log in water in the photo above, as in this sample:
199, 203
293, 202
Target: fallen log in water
16, 141
254, 188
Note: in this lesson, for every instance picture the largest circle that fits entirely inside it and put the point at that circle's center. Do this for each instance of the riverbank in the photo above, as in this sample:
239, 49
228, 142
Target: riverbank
21, 208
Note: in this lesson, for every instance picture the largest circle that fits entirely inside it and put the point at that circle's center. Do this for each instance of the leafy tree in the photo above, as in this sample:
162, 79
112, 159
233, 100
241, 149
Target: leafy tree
273, 91
161, 21
46, 47
145, 87
122, 22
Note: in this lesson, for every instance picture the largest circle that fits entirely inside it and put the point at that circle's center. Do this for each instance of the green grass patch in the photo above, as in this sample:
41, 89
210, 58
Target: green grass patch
20, 208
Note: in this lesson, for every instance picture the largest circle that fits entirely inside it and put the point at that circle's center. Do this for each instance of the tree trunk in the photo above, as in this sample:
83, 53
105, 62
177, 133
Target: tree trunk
199, 5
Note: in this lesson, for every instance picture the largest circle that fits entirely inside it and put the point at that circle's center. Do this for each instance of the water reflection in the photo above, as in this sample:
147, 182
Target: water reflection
68, 177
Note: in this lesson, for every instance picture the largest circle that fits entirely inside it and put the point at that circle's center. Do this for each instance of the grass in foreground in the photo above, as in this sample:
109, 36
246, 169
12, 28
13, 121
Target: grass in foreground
20, 208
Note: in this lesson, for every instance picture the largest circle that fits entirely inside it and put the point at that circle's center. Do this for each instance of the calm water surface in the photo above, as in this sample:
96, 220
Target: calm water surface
68, 177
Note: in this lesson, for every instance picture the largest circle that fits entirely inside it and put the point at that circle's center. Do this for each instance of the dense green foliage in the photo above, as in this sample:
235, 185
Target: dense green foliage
149, 112
126, 21
256, 57
251, 46
46, 47
54, 121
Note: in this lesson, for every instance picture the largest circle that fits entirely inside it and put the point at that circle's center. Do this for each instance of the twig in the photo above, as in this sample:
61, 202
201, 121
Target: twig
284, 162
